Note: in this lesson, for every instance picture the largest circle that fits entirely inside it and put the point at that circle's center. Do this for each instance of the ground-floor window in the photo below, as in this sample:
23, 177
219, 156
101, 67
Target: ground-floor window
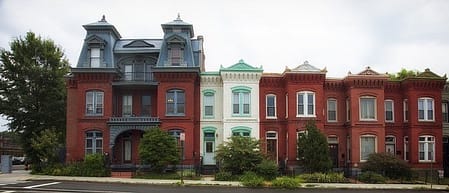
406, 148
367, 146
272, 145
94, 142
176, 133
426, 148
390, 144
241, 131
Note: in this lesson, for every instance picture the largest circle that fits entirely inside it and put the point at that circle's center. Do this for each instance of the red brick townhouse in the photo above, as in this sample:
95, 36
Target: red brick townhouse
360, 114
120, 87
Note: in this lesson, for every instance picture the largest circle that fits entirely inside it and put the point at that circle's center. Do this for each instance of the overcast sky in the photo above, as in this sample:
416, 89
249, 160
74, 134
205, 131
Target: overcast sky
341, 35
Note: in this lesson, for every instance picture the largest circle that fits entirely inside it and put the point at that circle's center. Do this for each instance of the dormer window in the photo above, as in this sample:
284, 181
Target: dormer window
95, 57
175, 54
95, 51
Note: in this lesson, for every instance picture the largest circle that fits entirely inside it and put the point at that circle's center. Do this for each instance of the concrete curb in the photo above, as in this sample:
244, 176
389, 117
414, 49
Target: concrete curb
235, 184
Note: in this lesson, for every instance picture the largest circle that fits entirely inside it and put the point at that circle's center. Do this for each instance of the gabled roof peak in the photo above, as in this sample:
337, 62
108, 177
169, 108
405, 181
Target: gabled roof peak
242, 66
306, 67
368, 71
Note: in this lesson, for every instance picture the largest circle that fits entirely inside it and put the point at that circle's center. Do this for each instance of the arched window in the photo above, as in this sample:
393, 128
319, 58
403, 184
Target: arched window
426, 148
176, 133
305, 104
175, 102
271, 106
367, 146
94, 103
241, 131
368, 109
425, 109
94, 142
241, 102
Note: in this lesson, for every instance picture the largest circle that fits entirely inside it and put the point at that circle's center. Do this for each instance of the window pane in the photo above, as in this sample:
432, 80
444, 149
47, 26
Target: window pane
128, 72
170, 102
367, 108
146, 105
89, 103
310, 104
209, 147
95, 57
99, 103
208, 105
99, 143
331, 110
89, 143
300, 104
429, 109
235, 103
368, 147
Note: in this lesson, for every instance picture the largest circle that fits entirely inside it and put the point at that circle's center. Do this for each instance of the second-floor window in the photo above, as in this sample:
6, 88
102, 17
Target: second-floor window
146, 105
331, 110
367, 108
405, 110
271, 106
389, 115
209, 104
425, 109
94, 103
94, 57
445, 111
305, 104
241, 102
175, 102
127, 105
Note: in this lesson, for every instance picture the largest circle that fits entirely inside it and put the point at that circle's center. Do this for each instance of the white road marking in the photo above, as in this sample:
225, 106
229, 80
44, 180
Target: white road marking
9, 191
40, 185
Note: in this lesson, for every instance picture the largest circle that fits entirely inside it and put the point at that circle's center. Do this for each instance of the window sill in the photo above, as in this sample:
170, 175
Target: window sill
424, 120
175, 115
238, 115
332, 121
368, 120
93, 115
312, 116
271, 118
426, 161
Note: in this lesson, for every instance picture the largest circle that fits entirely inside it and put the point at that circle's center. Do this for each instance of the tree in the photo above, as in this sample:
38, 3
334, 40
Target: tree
158, 149
404, 73
313, 150
238, 155
32, 90
46, 145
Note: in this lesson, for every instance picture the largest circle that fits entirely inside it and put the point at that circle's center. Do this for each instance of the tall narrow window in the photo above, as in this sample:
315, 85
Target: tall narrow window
175, 101
348, 110
146, 105
367, 146
405, 104
176, 133
241, 102
94, 142
445, 111
127, 105
176, 55
271, 106
95, 57
94, 103
406, 148
272, 145
305, 104
389, 116
390, 144
426, 148
425, 109
209, 104
331, 110
367, 108
128, 72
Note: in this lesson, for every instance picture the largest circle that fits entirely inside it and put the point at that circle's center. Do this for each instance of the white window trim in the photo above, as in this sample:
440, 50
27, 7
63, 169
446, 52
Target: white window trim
427, 150
336, 110
426, 108
360, 145
390, 143
94, 103
305, 105
392, 110
266, 107
360, 108
406, 144
212, 95
241, 103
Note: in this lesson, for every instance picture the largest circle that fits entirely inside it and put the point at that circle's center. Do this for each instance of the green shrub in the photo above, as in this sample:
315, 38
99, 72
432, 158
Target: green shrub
224, 176
372, 177
251, 179
93, 166
324, 178
387, 165
268, 169
286, 183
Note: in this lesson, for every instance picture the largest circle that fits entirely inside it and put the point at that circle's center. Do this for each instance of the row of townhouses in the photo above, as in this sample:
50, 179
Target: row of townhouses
121, 87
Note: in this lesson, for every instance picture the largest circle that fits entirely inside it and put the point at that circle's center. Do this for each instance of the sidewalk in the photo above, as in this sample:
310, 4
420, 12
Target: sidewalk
22, 176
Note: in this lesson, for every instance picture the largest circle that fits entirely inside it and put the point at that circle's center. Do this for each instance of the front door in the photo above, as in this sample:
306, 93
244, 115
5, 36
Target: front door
127, 150
333, 153
209, 153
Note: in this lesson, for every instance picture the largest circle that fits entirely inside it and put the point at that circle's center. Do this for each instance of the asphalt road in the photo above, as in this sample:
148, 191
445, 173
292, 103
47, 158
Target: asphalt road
89, 187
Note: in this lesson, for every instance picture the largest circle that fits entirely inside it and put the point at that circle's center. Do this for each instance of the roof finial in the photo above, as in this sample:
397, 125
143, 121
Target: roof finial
103, 19
179, 17
306, 62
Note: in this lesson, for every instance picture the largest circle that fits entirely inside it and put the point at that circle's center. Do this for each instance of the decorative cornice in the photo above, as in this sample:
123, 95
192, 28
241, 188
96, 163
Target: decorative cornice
176, 76
241, 76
